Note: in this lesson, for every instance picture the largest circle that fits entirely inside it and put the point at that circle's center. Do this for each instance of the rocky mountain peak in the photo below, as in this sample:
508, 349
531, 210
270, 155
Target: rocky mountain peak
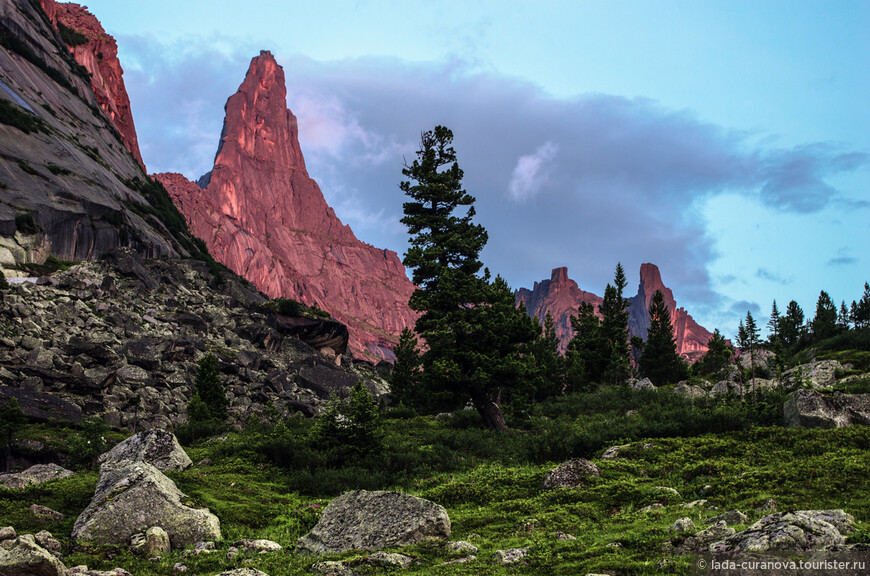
262, 215
561, 297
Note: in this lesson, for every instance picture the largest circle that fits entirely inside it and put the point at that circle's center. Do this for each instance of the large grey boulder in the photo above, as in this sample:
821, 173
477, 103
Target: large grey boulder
24, 557
701, 541
38, 474
812, 409
820, 374
134, 496
689, 391
363, 520
570, 474
799, 531
156, 447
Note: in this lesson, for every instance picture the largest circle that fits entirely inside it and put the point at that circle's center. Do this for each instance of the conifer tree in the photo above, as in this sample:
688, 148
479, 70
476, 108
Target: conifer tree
473, 330
750, 341
843, 317
587, 351
792, 326
660, 361
862, 315
825, 321
717, 357
209, 390
405, 379
614, 329
773, 325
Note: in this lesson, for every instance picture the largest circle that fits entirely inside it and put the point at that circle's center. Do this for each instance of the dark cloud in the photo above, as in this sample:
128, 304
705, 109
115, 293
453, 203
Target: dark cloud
842, 261
583, 182
741, 307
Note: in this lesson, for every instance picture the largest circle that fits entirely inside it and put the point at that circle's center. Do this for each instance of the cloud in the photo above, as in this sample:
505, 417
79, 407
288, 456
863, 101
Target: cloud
531, 172
766, 274
842, 261
595, 180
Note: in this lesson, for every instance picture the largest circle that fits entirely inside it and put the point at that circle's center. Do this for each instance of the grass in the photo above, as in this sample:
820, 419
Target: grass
13, 115
265, 486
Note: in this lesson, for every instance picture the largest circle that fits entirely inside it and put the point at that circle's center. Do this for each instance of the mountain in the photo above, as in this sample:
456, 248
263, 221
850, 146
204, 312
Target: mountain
98, 53
560, 296
69, 186
261, 215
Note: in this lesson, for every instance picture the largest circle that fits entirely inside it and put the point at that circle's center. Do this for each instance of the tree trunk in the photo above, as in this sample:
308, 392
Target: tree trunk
488, 410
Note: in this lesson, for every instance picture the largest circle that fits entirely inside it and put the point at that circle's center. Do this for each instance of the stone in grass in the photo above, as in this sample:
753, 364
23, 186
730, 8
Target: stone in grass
510, 556
700, 542
683, 524
84, 571
156, 447
243, 572
37, 474
731, 517
7, 533
570, 474
652, 507
363, 520
23, 556
154, 542
332, 568
390, 559
461, 547
799, 531
47, 540
134, 496
45, 514
260, 546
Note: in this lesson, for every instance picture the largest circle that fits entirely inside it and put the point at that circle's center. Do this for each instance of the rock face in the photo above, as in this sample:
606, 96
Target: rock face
24, 557
799, 531
100, 56
260, 214
812, 409
560, 296
363, 520
156, 447
67, 178
131, 497
96, 341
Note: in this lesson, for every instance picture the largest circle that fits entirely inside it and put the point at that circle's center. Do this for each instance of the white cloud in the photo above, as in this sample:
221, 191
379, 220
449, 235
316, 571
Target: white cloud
531, 172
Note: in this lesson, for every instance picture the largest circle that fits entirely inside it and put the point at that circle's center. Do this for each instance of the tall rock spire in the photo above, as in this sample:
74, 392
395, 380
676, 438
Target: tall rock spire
260, 213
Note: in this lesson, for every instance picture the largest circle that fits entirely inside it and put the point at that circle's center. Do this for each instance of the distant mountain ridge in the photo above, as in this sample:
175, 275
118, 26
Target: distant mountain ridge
561, 296
261, 215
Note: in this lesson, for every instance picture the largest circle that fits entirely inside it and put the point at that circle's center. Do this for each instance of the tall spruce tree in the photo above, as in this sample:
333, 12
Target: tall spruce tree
717, 357
473, 331
660, 361
843, 317
614, 329
791, 327
825, 321
405, 378
862, 309
587, 353
750, 342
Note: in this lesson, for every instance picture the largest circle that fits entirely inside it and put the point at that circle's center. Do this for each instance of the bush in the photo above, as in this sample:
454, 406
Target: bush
15, 116
87, 445
71, 36
351, 428
209, 400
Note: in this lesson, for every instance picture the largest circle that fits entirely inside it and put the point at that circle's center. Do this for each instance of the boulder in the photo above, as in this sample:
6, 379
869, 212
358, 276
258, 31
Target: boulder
645, 384
7, 533
800, 531
570, 474
390, 559
701, 541
259, 545
363, 520
461, 547
821, 374
154, 542
332, 568
812, 409
24, 557
683, 524
725, 387
731, 517
156, 447
37, 474
686, 390
511, 556
134, 496
45, 514
243, 572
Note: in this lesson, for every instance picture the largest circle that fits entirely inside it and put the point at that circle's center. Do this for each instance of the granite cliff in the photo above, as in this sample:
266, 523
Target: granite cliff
560, 296
261, 215
69, 186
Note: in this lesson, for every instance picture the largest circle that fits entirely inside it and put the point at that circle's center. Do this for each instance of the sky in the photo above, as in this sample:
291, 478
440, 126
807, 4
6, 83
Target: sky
727, 142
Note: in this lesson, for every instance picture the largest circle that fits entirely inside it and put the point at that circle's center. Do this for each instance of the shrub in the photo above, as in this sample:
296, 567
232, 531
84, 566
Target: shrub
17, 117
209, 391
71, 36
87, 445
352, 428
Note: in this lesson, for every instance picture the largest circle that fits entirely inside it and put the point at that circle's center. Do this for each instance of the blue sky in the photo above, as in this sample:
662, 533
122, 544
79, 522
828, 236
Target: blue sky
726, 142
